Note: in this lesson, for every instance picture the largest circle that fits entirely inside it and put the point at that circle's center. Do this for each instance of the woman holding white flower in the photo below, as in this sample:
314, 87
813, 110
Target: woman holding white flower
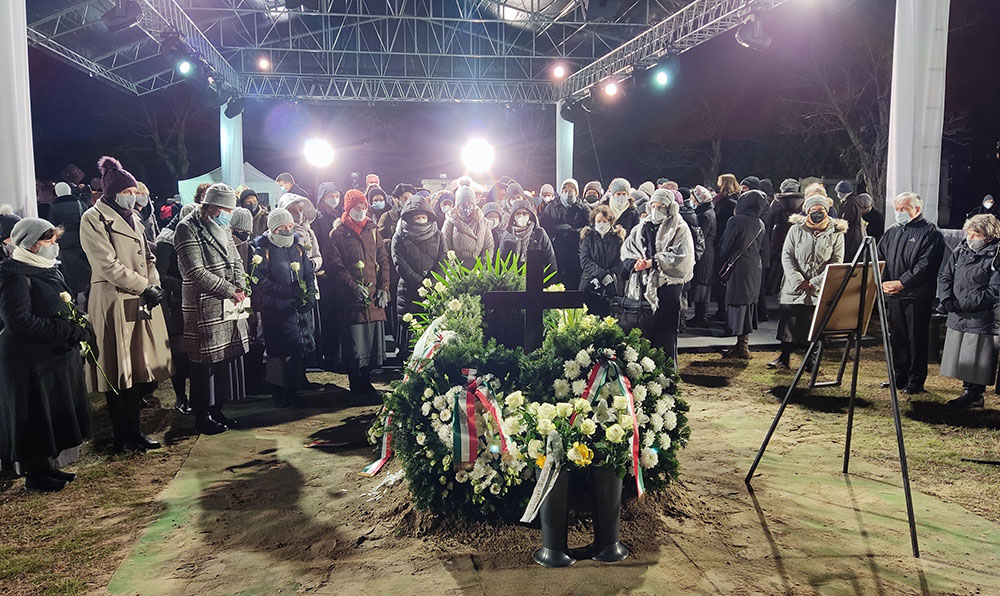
285, 308
417, 249
44, 412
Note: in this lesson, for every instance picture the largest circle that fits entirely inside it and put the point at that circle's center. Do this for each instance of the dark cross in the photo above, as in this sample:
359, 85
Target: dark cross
533, 300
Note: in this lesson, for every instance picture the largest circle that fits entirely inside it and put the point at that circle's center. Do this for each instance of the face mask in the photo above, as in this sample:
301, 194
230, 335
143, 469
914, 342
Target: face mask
446, 209
841, 195
976, 244
281, 238
254, 208
657, 216
903, 217
602, 227
492, 222
591, 198
242, 236
567, 198
420, 220
548, 198
619, 202
988, 204
222, 219
285, 232
358, 214
142, 201
126, 202
465, 209
817, 216
378, 205
333, 202
48, 252
521, 220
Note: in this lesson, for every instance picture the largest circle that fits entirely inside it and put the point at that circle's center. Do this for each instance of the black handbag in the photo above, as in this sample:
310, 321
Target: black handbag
631, 313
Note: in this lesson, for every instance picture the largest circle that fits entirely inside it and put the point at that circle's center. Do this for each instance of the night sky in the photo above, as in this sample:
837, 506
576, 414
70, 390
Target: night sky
77, 118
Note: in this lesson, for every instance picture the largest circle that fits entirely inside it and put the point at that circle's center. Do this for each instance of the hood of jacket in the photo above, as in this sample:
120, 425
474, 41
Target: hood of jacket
522, 204
414, 205
752, 202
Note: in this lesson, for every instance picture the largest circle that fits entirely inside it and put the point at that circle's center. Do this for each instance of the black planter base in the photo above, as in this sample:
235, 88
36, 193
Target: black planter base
549, 557
612, 553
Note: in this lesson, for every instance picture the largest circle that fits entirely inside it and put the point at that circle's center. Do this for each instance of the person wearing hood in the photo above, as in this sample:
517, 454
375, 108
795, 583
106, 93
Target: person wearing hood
622, 204
850, 211
146, 211
494, 217
417, 249
969, 289
8, 219
523, 234
912, 251
329, 210
563, 220
593, 192
287, 183
285, 308
251, 202
600, 257
741, 246
212, 274
987, 206
874, 220
388, 220
466, 230
814, 241
304, 214
785, 205
725, 206
659, 253
66, 212
44, 411
379, 202
443, 204
498, 193
704, 269
629, 217
358, 261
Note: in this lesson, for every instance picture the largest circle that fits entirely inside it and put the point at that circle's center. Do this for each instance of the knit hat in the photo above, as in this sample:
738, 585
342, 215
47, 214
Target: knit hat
278, 217
647, 187
289, 199
663, 196
7, 223
221, 195
619, 185
353, 198
423, 192
594, 185
114, 178
751, 182
685, 193
464, 194
63, 189
546, 188
816, 200
246, 194
638, 195
242, 220
766, 186
514, 190
660, 181
576, 185
702, 194
26, 232
844, 186
790, 185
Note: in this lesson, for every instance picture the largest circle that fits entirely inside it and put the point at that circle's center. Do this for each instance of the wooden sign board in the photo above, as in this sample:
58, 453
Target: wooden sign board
845, 312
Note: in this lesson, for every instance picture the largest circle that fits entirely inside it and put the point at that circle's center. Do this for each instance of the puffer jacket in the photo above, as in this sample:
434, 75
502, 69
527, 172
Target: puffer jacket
969, 288
288, 327
600, 256
469, 239
806, 255
912, 255
415, 258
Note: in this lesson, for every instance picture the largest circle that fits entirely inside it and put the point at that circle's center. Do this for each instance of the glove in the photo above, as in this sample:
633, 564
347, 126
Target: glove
361, 292
381, 298
77, 334
304, 307
608, 280
152, 296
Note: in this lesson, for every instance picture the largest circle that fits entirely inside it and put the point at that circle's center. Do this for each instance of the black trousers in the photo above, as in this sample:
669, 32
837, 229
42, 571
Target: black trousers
909, 326
211, 386
667, 320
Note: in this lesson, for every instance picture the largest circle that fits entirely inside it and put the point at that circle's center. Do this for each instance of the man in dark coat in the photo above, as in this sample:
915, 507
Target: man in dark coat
417, 249
705, 268
912, 252
66, 211
287, 184
563, 220
851, 212
874, 220
786, 203
251, 202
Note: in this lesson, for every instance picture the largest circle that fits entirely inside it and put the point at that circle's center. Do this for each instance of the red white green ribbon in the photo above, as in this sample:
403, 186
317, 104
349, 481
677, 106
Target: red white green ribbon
595, 380
465, 441
376, 466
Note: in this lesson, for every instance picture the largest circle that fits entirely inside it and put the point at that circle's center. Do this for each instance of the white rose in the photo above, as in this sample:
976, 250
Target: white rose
439, 287
582, 406
515, 400
452, 256
647, 364
664, 441
533, 409
564, 409
428, 284
461, 476
588, 427
583, 358
360, 264
634, 371
620, 402
545, 426
512, 425
445, 415
670, 421
649, 458
425, 409
655, 389
407, 318
639, 393
561, 388
442, 480
615, 433
422, 292
257, 260
65, 297
535, 448
625, 420
579, 386
295, 266
421, 439
455, 304
631, 354
656, 421
571, 369
546, 412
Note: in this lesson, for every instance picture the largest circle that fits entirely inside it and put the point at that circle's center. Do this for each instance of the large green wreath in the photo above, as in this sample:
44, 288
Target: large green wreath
535, 394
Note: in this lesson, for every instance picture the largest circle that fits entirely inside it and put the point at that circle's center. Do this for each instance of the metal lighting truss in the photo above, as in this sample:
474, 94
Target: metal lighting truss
695, 23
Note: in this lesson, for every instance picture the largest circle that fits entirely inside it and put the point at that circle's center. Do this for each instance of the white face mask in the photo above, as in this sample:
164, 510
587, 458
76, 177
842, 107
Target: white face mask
619, 201
358, 214
126, 202
50, 251
602, 227
142, 201
521, 220
657, 216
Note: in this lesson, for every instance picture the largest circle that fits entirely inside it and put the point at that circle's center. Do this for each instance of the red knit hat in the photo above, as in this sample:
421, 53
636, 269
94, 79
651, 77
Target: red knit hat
354, 198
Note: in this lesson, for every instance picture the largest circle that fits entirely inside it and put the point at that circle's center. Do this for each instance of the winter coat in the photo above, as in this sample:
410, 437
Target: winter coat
671, 248
705, 269
66, 212
969, 289
806, 255
743, 240
346, 251
43, 391
850, 211
600, 256
874, 224
211, 272
469, 240
563, 225
783, 207
304, 233
912, 255
259, 219
725, 207
387, 221
288, 326
537, 240
170, 280
131, 350
691, 219
414, 258
628, 219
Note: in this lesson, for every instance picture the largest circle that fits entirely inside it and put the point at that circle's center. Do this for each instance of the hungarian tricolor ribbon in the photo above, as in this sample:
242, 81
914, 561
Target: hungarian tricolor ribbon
419, 366
374, 467
465, 441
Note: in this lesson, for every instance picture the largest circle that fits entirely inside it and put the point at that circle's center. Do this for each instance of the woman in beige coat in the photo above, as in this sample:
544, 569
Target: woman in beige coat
131, 335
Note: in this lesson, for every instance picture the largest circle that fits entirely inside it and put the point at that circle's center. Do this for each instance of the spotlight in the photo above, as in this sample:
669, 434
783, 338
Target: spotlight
234, 107
264, 64
751, 34
318, 153
477, 155
662, 78
559, 71
184, 67
611, 89
576, 111
125, 14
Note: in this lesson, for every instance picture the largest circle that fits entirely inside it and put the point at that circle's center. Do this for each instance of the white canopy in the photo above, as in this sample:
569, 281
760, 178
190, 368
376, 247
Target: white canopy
267, 190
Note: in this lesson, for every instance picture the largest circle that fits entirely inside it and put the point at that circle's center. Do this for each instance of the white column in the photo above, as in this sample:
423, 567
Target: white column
916, 109
231, 146
17, 160
564, 148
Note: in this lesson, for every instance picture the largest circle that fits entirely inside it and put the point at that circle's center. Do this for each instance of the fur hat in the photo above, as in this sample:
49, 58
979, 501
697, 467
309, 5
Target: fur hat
221, 195
464, 194
576, 185
663, 196
114, 178
354, 198
790, 185
844, 186
63, 189
26, 232
816, 200
594, 185
619, 185
278, 217
401, 188
546, 188
242, 220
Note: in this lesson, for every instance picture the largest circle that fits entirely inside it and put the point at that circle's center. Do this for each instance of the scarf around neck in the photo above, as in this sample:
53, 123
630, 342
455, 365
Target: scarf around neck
357, 226
817, 227
468, 228
29, 258
523, 234
418, 231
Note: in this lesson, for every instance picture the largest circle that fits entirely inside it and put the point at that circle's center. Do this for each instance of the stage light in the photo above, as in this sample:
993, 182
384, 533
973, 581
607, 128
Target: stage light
751, 34
611, 89
477, 155
559, 71
184, 67
662, 78
234, 107
264, 64
318, 153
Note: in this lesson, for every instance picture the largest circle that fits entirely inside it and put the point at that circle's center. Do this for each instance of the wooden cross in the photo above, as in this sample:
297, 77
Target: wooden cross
533, 300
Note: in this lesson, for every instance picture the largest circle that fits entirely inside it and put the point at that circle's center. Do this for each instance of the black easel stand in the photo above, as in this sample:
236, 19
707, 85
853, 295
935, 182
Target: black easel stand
867, 257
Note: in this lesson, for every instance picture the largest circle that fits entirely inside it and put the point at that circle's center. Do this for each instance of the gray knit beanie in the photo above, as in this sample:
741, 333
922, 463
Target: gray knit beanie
663, 196
619, 185
789, 185
220, 195
278, 217
647, 187
242, 220
27, 231
817, 200
464, 194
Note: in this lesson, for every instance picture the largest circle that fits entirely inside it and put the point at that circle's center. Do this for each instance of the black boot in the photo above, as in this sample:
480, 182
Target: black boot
133, 404
181, 404
280, 401
205, 425
700, 319
970, 398
123, 440
41, 482
366, 379
60, 475
216, 413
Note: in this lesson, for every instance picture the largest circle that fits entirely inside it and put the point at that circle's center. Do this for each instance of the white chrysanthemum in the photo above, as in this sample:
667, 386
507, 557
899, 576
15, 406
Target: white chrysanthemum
639, 393
515, 400
656, 422
425, 409
662, 380
545, 426
571, 369
647, 364
535, 448
620, 402
445, 415
564, 409
579, 386
670, 421
664, 441
655, 389
428, 393
461, 476
605, 391
588, 427
583, 358
631, 354
440, 403
648, 439
445, 434
670, 401
641, 418
615, 433
662, 406
633, 370
649, 458
546, 411
561, 388
582, 406
421, 439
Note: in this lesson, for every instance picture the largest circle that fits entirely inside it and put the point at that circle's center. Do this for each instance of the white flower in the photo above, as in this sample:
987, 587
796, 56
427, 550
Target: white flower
440, 402
571, 369
641, 417
656, 421
452, 256
422, 292
670, 421
257, 260
602, 413
535, 448
428, 284
421, 439
533, 409
625, 420
648, 439
65, 297
295, 266
588, 427
583, 358
407, 318
442, 480
515, 400
495, 489
662, 380
664, 441
439, 287
649, 458
445, 415
647, 364
545, 426
655, 389
360, 264
546, 412
444, 433
455, 304
631, 354
662, 406
561, 388
615, 433
428, 393
620, 402
512, 425
579, 386
634, 371
426, 408
582, 406
605, 391
564, 409
461, 476
639, 393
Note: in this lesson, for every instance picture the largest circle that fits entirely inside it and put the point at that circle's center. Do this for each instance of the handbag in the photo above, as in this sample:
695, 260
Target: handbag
632, 313
727, 270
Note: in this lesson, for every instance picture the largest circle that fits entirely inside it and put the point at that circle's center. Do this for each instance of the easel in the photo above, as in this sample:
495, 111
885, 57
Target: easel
867, 260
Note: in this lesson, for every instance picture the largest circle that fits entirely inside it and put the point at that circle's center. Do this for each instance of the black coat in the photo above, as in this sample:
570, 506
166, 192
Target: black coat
538, 240
601, 256
912, 255
288, 327
969, 289
43, 392
725, 207
743, 241
563, 225
66, 212
705, 269
783, 206
851, 211
628, 219
876, 224
414, 259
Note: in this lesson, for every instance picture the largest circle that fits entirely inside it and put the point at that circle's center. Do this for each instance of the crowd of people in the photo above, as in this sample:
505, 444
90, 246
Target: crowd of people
228, 296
